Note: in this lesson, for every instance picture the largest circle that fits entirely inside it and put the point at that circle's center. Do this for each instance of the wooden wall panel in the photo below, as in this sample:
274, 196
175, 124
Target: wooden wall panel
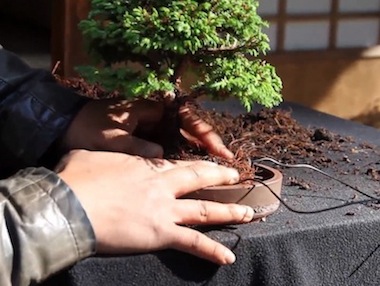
344, 83
67, 44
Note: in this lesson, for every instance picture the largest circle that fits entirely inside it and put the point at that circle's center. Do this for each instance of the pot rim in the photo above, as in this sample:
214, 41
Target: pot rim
276, 176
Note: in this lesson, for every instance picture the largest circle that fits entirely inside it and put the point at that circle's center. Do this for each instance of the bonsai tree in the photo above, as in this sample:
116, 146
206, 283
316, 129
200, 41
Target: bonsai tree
222, 39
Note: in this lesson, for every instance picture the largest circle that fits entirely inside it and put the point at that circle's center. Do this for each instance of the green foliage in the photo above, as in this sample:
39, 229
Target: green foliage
163, 35
241, 77
131, 83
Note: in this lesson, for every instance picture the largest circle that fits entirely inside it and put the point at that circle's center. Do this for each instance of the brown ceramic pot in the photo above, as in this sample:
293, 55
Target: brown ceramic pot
259, 198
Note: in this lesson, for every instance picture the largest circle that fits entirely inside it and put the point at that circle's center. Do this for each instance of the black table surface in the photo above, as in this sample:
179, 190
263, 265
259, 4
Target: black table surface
339, 247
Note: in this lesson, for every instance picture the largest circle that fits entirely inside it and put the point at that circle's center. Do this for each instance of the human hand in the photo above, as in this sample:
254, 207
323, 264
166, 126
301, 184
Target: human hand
133, 203
110, 125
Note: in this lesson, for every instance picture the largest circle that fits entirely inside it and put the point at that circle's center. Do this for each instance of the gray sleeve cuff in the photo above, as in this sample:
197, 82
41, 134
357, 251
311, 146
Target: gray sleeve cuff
47, 228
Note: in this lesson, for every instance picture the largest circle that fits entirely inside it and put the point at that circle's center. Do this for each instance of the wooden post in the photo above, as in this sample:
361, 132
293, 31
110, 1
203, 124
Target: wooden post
66, 44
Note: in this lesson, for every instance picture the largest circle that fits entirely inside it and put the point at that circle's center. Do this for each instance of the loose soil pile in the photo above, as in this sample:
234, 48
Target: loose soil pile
268, 133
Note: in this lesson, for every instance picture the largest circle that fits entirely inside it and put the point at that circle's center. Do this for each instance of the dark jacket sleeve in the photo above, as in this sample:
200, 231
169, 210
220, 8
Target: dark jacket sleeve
43, 227
34, 112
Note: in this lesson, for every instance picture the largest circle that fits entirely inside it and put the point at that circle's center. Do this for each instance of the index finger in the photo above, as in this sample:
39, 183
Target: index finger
193, 177
203, 133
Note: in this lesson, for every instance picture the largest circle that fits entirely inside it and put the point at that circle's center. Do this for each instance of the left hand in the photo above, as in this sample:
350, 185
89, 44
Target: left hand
134, 204
110, 125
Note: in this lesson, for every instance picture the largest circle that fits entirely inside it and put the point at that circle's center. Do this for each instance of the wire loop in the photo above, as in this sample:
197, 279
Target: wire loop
371, 199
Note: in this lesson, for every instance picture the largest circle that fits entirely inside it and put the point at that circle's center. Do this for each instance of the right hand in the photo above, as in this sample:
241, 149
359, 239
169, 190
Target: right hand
133, 206
114, 123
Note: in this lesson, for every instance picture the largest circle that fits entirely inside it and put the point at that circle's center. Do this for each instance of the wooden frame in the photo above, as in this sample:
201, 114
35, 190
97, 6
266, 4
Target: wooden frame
281, 18
67, 46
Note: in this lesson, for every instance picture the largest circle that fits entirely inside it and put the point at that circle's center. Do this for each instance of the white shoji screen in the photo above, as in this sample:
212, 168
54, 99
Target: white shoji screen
321, 24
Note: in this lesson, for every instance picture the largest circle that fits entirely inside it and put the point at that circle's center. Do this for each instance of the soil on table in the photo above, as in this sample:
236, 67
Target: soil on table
268, 133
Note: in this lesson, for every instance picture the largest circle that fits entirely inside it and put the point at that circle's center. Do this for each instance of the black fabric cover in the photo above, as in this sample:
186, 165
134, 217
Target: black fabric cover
338, 247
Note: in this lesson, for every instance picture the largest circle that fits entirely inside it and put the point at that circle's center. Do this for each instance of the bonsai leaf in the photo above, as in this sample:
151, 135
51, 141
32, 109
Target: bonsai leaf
251, 81
130, 83
163, 36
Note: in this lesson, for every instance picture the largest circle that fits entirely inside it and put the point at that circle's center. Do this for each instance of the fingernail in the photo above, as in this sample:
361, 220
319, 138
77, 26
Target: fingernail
228, 154
229, 256
224, 152
235, 177
247, 213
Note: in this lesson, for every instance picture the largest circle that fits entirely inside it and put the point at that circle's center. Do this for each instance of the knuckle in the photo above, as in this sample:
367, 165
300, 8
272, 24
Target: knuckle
203, 211
240, 213
235, 212
193, 170
208, 164
215, 250
196, 241
157, 182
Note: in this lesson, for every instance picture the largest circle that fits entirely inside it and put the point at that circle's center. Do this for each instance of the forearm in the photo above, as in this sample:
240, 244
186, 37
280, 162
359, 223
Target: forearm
43, 227
34, 111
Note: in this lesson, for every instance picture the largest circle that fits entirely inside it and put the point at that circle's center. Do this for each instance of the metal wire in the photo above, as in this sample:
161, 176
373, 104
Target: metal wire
267, 159
371, 199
